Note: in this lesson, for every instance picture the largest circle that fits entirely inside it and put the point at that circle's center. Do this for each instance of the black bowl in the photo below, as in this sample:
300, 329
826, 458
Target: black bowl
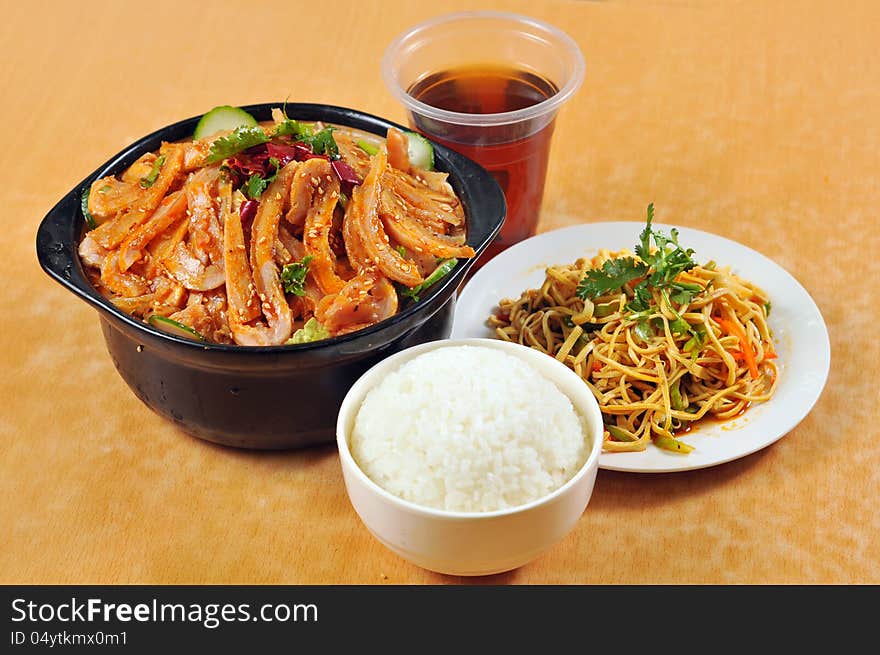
275, 397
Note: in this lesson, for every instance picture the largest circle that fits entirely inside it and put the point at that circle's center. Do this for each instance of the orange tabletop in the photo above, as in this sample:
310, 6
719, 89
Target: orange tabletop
758, 121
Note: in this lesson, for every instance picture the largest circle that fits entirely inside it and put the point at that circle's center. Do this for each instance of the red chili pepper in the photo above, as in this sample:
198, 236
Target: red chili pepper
248, 210
345, 173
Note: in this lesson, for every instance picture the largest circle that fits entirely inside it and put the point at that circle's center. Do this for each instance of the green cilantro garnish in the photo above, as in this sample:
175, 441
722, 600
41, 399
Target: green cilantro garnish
150, 179
293, 276
613, 275
238, 141
323, 143
658, 266
255, 186
289, 127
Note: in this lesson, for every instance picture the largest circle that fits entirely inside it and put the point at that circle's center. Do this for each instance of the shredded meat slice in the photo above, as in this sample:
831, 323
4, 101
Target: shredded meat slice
398, 149
351, 153
171, 210
116, 230
370, 237
323, 195
108, 196
288, 248
266, 281
204, 227
191, 272
90, 251
413, 236
433, 203
241, 294
124, 284
139, 169
365, 300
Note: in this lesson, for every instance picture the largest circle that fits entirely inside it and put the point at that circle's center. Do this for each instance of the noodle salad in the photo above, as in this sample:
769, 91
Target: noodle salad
661, 341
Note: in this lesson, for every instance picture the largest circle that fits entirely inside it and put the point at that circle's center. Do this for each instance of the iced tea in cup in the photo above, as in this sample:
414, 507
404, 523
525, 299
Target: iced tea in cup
489, 85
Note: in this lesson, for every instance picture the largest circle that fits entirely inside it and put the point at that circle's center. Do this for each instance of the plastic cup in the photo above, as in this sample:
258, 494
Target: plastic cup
512, 145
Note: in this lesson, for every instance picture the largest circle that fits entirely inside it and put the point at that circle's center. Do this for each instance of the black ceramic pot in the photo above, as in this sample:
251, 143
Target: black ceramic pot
275, 397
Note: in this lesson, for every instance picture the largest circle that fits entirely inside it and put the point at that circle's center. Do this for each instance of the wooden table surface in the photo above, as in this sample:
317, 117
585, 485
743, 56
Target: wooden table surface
756, 120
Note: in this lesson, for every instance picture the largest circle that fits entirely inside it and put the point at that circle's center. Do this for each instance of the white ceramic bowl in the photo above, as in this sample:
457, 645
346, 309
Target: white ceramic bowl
463, 543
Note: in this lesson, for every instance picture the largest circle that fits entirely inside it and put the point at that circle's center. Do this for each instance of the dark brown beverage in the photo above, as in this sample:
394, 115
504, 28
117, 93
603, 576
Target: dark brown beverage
514, 153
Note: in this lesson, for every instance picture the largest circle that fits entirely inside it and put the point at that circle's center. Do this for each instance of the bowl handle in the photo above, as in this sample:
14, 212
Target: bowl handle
56, 238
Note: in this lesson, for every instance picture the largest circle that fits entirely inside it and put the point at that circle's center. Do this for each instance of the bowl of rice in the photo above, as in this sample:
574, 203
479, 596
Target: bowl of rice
469, 456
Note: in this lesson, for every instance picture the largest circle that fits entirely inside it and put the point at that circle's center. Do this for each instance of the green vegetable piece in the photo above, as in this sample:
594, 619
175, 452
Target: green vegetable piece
288, 127
613, 275
442, 270
767, 308
679, 326
698, 338
642, 298
675, 398
232, 144
620, 434
367, 147
684, 292
311, 331
91, 223
223, 118
644, 330
150, 179
293, 276
676, 446
401, 251
602, 311
323, 143
643, 249
420, 151
255, 186
176, 328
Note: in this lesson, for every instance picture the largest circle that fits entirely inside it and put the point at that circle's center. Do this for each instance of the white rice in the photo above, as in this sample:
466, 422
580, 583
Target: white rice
468, 429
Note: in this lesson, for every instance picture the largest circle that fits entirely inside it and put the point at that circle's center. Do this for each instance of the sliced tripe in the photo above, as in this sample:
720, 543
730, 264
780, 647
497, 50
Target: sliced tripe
363, 214
116, 230
318, 176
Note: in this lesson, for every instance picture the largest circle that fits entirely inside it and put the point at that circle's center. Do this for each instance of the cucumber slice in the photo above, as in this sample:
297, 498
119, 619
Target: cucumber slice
174, 327
221, 119
421, 152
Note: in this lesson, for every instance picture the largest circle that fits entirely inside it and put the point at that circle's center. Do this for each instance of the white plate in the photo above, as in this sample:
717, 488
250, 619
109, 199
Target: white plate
801, 338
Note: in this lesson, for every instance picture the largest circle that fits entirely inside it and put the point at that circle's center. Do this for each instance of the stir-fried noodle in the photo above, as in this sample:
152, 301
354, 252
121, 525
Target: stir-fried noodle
653, 375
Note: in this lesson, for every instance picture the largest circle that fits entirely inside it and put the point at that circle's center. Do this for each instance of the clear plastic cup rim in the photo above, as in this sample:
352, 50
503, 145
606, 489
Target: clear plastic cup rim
551, 104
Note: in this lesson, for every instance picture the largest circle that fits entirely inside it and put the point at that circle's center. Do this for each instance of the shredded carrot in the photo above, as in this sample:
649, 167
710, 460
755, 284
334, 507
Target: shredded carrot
735, 330
597, 366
